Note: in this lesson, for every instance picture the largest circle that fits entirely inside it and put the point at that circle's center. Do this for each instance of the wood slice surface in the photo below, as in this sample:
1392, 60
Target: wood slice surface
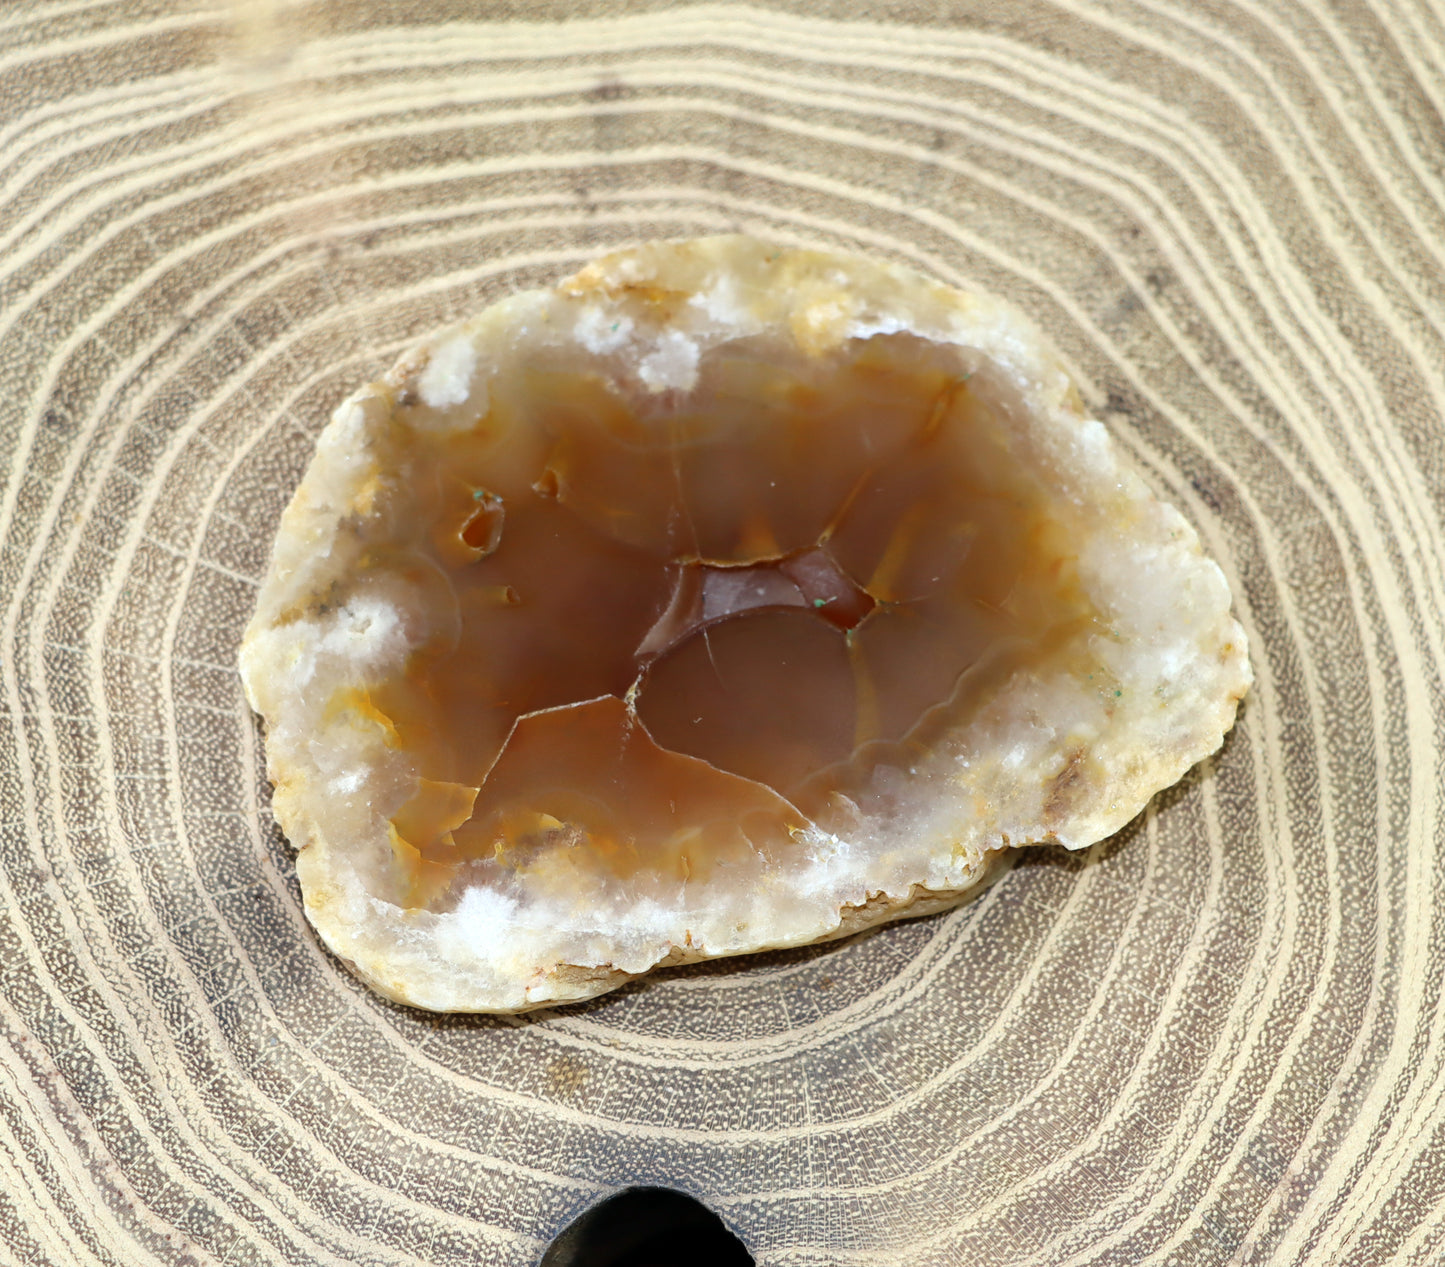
1216, 1038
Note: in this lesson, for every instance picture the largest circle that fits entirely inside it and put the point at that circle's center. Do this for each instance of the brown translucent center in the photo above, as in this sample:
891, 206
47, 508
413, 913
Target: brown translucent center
685, 629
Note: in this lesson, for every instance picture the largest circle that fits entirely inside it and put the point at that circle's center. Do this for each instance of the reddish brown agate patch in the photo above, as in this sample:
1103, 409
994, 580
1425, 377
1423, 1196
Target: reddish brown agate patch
691, 625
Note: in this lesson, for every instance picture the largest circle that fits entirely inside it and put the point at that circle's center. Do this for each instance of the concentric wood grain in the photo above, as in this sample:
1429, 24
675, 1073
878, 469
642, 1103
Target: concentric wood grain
1215, 1039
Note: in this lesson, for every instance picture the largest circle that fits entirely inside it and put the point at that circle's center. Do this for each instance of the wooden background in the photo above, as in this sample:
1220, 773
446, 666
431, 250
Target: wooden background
1216, 1039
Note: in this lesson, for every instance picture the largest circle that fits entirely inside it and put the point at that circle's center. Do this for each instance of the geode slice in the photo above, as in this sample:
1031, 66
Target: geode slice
723, 597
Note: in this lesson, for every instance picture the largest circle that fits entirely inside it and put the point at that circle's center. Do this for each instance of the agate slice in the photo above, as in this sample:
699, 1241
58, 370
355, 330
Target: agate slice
723, 597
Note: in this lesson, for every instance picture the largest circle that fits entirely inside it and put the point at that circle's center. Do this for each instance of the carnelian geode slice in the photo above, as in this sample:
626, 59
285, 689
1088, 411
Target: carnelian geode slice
723, 597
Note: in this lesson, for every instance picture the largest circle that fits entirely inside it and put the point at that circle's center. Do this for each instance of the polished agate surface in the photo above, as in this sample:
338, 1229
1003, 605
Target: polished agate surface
672, 632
